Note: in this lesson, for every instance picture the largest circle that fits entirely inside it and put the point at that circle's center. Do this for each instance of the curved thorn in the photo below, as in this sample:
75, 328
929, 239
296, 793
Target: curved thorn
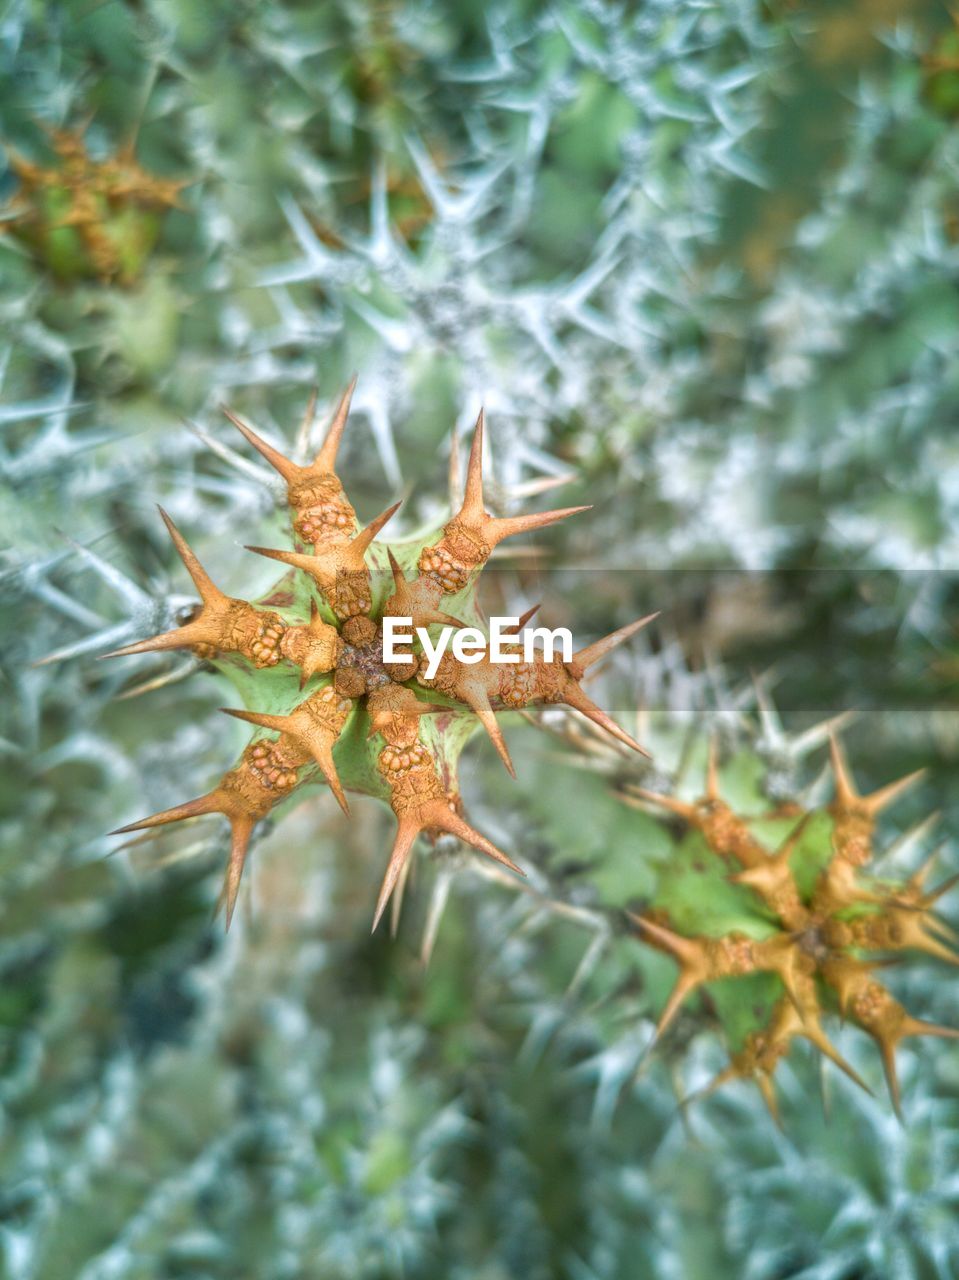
472, 508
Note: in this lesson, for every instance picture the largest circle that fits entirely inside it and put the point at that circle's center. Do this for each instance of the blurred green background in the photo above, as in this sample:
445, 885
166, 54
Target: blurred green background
697, 259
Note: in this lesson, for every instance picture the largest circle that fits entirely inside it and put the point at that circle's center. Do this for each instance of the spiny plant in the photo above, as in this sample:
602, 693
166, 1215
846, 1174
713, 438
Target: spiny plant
308, 659
87, 218
777, 912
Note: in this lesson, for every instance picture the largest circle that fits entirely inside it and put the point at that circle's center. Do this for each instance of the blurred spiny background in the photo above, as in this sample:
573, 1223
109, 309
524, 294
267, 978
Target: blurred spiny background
698, 259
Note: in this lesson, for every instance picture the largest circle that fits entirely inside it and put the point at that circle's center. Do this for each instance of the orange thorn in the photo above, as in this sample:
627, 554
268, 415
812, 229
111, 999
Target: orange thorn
326, 458
496, 529
287, 469
846, 793
683, 950
191, 809
591, 654
881, 799
406, 834
242, 829
473, 510
476, 698
847, 797
671, 803
812, 1031
182, 638
764, 1083
364, 538
314, 565
688, 953
574, 697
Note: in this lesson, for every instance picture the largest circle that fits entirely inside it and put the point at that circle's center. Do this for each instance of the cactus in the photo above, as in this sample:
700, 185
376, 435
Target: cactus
87, 218
776, 908
335, 658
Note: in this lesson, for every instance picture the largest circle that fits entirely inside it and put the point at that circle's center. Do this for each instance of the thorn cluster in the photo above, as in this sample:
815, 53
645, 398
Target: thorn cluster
824, 944
357, 702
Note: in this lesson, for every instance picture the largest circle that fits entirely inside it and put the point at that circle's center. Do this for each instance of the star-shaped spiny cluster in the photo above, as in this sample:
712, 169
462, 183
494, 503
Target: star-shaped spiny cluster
828, 943
92, 198
342, 671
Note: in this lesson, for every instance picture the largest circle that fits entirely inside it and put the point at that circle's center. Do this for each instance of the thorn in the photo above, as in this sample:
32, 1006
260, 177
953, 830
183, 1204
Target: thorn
405, 836
846, 793
847, 797
478, 700
592, 654
496, 529
242, 829
364, 538
182, 638
396, 905
437, 906
813, 1032
191, 809
688, 953
473, 510
881, 799
277, 723
765, 1085
680, 807
208, 590
574, 697
287, 469
326, 458
296, 559
887, 1052
434, 813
